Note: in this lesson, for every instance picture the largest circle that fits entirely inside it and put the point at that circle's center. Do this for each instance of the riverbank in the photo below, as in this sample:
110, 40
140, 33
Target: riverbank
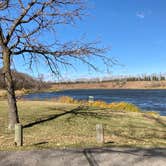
111, 85
48, 124
22, 92
100, 85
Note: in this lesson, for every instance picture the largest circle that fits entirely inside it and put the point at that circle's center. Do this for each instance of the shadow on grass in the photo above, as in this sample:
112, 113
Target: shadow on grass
80, 110
41, 143
52, 117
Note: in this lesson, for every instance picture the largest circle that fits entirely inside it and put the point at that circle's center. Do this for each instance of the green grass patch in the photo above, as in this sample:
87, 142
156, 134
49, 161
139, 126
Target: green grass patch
48, 124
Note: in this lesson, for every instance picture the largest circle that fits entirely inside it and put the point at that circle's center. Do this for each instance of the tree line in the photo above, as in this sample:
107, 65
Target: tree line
143, 77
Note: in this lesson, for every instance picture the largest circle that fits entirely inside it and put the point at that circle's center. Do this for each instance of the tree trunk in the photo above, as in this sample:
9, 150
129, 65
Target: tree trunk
12, 112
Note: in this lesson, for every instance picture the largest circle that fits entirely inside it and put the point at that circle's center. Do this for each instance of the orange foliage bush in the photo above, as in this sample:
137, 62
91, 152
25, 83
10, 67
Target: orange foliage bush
65, 99
124, 106
116, 106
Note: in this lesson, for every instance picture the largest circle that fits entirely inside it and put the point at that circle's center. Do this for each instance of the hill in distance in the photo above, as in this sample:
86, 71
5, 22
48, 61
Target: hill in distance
22, 80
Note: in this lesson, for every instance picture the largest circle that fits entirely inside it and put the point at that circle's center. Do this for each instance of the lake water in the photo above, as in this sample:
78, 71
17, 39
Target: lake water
148, 100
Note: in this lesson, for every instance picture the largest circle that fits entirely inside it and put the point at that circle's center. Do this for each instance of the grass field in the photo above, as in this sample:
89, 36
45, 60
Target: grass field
53, 125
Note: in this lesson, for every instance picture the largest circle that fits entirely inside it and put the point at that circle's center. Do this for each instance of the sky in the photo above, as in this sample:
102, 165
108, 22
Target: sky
135, 30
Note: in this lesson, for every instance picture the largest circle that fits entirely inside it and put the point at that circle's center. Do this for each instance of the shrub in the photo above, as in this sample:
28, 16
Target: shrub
116, 106
98, 103
65, 99
124, 106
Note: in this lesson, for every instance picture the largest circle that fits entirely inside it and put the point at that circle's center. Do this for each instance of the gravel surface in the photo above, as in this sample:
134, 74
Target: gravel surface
85, 157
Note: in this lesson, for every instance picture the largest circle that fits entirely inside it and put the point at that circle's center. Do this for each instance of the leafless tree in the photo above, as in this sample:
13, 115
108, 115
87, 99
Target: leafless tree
23, 22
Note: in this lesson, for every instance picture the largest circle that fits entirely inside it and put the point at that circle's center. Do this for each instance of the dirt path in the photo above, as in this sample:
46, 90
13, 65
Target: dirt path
85, 157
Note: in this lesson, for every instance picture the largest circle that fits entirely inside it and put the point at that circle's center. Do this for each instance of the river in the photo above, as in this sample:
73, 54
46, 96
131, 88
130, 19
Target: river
147, 100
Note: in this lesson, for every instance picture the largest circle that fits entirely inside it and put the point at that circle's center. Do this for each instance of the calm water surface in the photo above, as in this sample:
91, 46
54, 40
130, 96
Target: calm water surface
148, 100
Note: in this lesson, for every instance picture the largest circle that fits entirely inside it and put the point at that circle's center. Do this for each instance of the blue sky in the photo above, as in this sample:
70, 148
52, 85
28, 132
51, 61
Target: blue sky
135, 30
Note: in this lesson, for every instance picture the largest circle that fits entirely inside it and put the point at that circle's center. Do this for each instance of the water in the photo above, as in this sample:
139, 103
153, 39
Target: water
149, 100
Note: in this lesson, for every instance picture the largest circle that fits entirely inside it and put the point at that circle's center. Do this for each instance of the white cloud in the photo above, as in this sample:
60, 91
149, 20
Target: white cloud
143, 13
140, 15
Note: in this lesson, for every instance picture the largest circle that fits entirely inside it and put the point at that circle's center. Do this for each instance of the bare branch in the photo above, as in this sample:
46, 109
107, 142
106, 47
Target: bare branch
21, 4
66, 49
18, 20
35, 18
4, 4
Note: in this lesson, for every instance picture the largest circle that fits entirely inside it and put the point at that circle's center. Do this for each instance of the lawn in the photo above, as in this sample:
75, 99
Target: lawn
48, 124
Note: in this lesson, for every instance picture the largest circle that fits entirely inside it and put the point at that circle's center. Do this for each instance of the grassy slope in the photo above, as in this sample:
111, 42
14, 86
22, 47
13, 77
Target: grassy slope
54, 127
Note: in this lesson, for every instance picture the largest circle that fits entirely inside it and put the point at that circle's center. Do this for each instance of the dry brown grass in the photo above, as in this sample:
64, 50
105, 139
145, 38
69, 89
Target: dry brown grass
21, 92
2, 93
113, 85
53, 125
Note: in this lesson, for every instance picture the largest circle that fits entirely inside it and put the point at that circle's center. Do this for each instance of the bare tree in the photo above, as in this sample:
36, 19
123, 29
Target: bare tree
23, 22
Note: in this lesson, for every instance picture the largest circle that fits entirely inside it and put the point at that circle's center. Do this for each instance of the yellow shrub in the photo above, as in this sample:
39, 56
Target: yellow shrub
100, 104
66, 99
116, 106
124, 106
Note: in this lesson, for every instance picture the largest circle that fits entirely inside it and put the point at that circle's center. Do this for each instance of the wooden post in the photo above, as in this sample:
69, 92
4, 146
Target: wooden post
91, 99
99, 133
18, 135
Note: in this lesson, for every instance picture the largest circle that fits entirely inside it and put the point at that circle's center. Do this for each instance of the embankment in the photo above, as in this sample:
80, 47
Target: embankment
113, 85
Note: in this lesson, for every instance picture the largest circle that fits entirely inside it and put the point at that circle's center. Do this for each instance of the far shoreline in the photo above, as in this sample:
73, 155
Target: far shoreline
133, 85
110, 85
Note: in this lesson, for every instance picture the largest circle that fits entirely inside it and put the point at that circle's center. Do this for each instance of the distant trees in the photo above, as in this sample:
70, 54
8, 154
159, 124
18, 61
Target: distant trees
152, 77
122, 79
24, 81
143, 77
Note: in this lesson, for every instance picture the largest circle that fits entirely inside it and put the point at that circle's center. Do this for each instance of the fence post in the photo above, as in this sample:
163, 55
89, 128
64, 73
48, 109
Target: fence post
18, 135
91, 99
99, 133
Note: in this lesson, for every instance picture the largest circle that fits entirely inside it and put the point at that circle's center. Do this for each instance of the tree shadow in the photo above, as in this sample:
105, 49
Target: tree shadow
149, 152
52, 117
41, 143
89, 156
132, 155
80, 110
